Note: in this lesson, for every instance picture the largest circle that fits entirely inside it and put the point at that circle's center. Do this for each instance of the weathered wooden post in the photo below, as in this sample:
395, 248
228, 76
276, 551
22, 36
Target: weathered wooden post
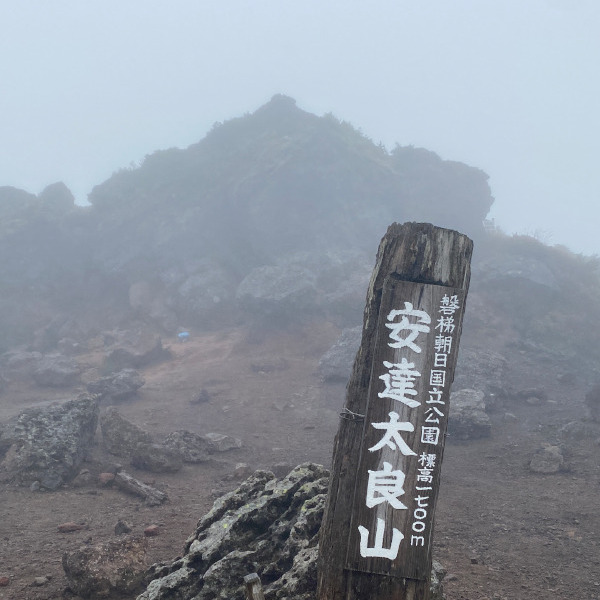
378, 525
254, 590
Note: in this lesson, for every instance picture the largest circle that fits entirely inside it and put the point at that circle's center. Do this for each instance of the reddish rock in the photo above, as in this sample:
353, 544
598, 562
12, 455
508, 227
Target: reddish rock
151, 531
4, 581
69, 527
105, 479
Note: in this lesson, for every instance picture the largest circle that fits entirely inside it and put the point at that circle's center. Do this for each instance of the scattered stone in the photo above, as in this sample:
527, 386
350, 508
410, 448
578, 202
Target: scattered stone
106, 479
56, 370
19, 365
156, 458
537, 394
120, 436
151, 531
336, 364
201, 397
112, 570
192, 447
218, 442
131, 485
50, 444
118, 386
35, 486
39, 581
468, 419
70, 527
547, 460
122, 527
242, 470
4, 581
83, 478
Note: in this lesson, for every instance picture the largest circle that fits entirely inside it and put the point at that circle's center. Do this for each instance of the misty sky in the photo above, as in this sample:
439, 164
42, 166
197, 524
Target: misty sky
512, 86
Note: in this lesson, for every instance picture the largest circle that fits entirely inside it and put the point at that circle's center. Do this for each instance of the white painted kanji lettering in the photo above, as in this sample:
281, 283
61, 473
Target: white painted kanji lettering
385, 486
449, 305
404, 325
443, 343
400, 382
435, 396
437, 377
392, 438
440, 360
430, 435
445, 324
378, 550
427, 460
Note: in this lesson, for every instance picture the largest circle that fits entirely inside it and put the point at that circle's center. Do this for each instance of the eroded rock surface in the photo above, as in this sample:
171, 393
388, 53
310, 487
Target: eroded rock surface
468, 419
118, 386
48, 445
269, 526
120, 436
115, 569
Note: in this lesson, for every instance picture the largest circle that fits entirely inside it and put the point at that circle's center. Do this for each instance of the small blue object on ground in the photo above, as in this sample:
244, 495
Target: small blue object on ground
183, 336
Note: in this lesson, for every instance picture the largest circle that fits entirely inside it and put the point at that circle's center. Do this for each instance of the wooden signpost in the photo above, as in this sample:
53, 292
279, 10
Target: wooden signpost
378, 526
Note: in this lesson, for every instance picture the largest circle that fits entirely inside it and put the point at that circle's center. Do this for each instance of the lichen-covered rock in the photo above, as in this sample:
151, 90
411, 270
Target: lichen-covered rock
115, 569
336, 363
120, 436
48, 445
118, 386
156, 458
468, 419
267, 525
192, 447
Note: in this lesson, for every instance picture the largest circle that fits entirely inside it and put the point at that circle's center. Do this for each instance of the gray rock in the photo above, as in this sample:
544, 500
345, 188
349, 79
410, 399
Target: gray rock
286, 291
20, 365
115, 569
192, 447
156, 458
266, 525
118, 386
468, 419
50, 444
133, 349
55, 370
336, 364
206, 292
578, 430
130, 485
219, 442
482, 369
547, 460
120, 436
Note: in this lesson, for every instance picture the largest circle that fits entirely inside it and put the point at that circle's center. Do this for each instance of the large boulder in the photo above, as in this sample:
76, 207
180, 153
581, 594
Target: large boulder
267, 525
133, 350
336, 364
156, 458
19, 365
120, 436
49, 444
547, 460
282, 292
115, 569
192, 447
55, 370
468, 419
117, 386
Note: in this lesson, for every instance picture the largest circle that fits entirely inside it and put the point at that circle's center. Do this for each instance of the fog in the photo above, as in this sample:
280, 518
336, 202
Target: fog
89, 88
